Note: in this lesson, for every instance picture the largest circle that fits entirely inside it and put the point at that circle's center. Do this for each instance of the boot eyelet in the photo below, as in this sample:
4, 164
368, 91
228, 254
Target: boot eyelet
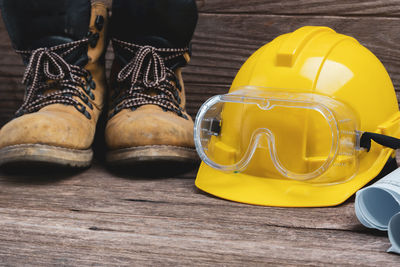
92, 84
88, 91
99, 22
81, 108
177, 97
178, 85
89, 81
93, 39
88, 77
91, 95
87, 115
85, 99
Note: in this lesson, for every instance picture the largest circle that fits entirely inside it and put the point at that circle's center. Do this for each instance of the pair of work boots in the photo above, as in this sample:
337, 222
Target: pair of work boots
63, 43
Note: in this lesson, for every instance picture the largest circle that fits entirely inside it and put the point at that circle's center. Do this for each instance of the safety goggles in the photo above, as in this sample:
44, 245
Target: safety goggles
276, 134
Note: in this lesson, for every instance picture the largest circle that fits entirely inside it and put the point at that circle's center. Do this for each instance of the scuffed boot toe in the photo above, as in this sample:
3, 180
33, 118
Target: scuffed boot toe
149, 134
37, 137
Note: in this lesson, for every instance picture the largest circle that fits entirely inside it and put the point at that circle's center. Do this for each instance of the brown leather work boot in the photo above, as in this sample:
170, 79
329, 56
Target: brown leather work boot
62, 43
147, 117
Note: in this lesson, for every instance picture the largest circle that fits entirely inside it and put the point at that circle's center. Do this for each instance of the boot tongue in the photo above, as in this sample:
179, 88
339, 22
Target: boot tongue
49, 41
172, 20
162, 24
125, 56
43, 23
155, 41
76, 57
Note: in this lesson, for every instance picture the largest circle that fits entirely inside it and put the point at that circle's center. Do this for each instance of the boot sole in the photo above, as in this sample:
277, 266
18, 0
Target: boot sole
148, 154
45, 154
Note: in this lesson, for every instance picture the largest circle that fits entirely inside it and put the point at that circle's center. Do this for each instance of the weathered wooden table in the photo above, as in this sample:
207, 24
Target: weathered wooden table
101, 218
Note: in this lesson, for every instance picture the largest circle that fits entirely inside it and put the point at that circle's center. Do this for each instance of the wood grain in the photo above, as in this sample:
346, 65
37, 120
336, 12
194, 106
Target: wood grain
223, 42
98, 218
387, 8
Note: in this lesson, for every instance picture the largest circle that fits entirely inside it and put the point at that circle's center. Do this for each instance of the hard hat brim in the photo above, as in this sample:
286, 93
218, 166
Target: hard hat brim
263, 191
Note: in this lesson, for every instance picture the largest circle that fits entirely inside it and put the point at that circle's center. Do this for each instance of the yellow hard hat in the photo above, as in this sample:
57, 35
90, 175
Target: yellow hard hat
295, 128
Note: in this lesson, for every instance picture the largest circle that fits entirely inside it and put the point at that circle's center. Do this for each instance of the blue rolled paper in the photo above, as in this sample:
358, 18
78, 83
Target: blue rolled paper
378, 206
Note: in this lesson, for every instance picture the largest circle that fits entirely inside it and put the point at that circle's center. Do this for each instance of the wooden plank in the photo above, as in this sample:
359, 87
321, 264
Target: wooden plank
387, 8
98, 218
171, 195
223, 42
73, 240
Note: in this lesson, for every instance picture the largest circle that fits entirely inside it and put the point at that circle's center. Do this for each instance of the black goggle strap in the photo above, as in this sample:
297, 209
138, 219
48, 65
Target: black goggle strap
384, 140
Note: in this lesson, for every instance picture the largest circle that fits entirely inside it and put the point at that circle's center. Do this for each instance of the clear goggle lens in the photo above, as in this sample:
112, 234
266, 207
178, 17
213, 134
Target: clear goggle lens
278, 135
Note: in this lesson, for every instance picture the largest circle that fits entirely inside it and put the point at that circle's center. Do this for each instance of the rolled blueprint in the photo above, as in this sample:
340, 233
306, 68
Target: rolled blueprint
394, 233
378, 206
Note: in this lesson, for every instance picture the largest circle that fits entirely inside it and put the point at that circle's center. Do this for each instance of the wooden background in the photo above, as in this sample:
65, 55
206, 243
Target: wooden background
229, 31
100, 218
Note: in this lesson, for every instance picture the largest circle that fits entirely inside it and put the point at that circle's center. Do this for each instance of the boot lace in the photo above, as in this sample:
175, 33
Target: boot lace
50, 79
150, 81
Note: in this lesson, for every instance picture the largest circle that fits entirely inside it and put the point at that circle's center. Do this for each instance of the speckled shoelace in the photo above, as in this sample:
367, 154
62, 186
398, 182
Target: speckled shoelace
145, 73
47, 70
